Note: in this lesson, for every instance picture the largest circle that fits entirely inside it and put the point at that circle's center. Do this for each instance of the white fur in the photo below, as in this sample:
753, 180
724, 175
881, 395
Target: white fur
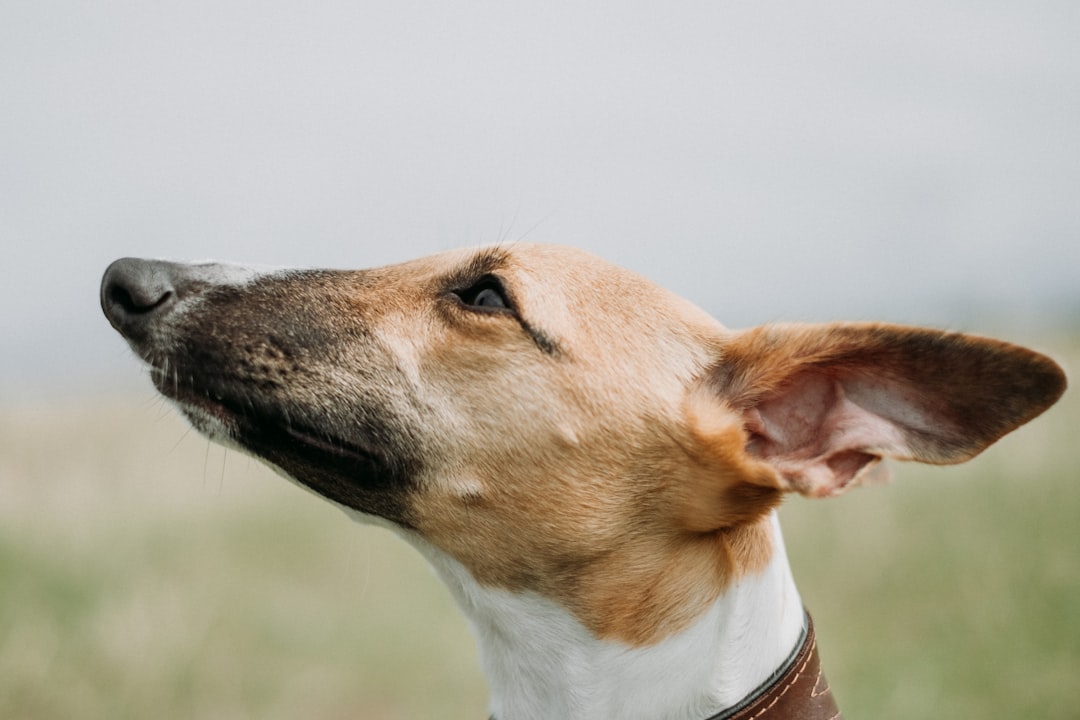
219, 273
542, 664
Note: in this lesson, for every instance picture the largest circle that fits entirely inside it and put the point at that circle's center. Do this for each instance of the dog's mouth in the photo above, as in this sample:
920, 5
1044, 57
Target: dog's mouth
328, 445
352, 472
245, 416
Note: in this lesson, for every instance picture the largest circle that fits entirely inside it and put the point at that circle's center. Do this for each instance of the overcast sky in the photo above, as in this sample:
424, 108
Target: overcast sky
915, 161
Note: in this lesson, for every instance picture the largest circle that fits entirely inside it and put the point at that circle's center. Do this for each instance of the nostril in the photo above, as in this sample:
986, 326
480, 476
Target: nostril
137, 300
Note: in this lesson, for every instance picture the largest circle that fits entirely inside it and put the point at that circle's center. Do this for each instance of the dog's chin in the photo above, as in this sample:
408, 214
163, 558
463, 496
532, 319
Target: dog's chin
207, 414
211, 423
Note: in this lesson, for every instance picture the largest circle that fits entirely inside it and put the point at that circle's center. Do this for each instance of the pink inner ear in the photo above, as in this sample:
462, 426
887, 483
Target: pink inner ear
821, 431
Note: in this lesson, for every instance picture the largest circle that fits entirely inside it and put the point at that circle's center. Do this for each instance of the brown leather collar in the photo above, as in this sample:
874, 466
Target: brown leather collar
798, 690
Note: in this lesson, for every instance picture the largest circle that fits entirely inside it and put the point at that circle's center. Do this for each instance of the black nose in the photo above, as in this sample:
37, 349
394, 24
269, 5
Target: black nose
134, 293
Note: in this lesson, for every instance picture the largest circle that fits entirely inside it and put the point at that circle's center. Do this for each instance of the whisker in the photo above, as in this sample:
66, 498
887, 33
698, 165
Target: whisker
183, 436
221, 480
206, 464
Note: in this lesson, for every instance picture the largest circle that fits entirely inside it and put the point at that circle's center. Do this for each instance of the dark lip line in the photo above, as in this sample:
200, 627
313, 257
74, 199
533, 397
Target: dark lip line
262, 424
327, 444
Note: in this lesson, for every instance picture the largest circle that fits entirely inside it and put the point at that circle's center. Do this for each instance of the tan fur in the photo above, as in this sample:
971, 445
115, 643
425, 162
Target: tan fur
636, 520
551, 492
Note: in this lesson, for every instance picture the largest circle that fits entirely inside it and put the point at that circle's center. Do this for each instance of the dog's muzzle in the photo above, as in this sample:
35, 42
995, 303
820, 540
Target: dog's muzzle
250, 360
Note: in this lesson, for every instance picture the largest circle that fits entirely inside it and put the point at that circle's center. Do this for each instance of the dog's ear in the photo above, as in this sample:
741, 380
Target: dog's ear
821, 404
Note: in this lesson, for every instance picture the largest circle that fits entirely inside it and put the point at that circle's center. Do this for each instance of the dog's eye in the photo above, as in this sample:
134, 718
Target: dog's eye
487, 294
489, 297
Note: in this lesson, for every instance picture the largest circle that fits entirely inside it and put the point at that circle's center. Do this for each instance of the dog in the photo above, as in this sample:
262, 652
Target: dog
590, 463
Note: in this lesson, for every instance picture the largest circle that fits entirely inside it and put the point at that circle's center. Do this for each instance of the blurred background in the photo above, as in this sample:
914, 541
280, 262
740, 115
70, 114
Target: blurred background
915, 162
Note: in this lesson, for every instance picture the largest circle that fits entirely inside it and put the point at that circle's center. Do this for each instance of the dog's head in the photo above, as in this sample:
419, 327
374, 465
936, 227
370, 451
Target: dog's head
554, 423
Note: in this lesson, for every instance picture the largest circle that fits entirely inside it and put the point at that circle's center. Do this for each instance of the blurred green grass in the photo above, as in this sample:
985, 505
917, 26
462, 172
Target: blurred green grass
146, 573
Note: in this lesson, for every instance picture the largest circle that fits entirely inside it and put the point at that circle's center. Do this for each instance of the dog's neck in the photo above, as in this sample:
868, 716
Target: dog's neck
541, 663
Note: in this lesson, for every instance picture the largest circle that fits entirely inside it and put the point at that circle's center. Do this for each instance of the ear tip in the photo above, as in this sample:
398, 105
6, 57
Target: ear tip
1047, 383
1028, 386
1058, 380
